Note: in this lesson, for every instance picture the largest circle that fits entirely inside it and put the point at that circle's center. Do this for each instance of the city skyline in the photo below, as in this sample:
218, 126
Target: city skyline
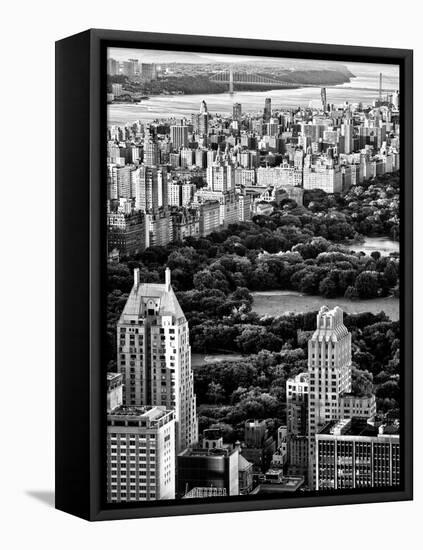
163, 56
213, 212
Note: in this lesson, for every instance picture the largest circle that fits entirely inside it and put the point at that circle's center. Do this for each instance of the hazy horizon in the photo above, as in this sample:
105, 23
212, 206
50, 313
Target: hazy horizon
167, 56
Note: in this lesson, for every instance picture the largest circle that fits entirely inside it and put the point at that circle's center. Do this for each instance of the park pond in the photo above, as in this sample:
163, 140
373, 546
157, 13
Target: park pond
384, 245
200, 359
281, 302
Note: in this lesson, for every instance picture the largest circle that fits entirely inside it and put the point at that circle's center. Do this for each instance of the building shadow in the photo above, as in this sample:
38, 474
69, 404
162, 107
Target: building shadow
46, 497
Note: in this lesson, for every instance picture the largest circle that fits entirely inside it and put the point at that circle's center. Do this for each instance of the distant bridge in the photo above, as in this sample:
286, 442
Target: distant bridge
232, 77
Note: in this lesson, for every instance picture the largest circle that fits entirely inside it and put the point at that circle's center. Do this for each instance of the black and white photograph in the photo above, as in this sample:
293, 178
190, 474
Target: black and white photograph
253, 276
211, 275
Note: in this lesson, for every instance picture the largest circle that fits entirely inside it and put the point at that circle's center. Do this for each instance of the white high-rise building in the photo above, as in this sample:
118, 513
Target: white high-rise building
117, 89
329, 368
154, 355
149, 186
221, 177
323, 175
140, 454
297, 404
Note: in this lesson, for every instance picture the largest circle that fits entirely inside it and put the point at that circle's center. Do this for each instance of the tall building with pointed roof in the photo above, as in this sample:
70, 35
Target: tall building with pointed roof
329, 368
200, 120
154, 355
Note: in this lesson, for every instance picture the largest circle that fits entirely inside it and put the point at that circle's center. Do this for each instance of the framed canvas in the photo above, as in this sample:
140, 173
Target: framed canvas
234, 274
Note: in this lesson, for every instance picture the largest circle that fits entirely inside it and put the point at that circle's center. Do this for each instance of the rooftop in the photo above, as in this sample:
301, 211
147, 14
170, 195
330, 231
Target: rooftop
199, 452
352, 395
243, 463
150, 412
357, 427
136, 305
330, 324
286, 485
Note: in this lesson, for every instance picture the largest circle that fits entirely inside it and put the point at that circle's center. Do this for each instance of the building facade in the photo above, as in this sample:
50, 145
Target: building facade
140, 454
352, 454
214, 468
126, 232
297, 404
114, 390
329, 369
154, 355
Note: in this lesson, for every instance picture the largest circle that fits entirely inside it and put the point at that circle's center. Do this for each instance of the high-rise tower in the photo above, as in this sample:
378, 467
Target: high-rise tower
237, 112
380, 88
200, 121
267, 109
149, 185
154, 355
179, 136
329, 367
323, 99
151, 152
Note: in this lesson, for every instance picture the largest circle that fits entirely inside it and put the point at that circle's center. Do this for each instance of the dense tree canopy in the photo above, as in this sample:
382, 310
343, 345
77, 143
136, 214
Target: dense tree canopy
299, 248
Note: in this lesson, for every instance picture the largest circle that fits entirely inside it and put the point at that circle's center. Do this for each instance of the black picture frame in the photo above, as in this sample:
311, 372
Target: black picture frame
81, 259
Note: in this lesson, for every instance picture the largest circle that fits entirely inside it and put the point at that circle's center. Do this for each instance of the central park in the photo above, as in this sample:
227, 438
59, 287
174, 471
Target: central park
250, 293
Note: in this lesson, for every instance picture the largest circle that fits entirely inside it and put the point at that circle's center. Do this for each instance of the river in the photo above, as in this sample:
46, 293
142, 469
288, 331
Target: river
168, 106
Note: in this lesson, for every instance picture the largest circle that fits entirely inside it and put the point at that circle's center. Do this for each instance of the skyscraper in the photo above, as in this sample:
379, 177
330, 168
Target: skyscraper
220, 175
203, 108
267, 109
179, 136
148, 71
112, 66
329, 368
154, 355
237, 112
151, 152
297, 423
200, 121
347, 130
150, 188
323, 98
130, 67
297, 404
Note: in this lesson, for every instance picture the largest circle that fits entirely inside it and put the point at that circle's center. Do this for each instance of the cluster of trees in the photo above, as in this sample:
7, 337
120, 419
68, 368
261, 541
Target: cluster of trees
371, 208
275, 348
293, 248
298, 248
228, 393
201, 83
224, 261
188, 84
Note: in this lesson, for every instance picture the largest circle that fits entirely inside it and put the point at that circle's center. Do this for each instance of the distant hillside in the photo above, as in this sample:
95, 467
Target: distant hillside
201, 83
